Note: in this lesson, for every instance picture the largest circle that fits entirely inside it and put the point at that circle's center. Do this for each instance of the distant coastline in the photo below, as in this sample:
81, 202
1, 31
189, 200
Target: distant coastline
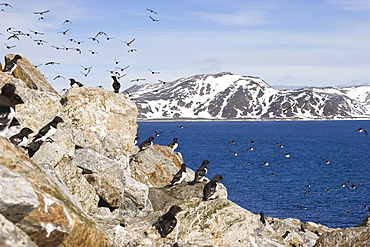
248, 119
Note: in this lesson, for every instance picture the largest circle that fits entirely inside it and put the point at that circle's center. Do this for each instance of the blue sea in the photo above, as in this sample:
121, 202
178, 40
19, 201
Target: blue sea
315, 171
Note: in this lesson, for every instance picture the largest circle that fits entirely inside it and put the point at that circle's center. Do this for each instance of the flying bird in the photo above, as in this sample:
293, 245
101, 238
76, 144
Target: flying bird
94, 39
153, 19
41, 12
9, 46
36, 32
52, 63
64, 32
68, 21
7, 5
154, 72
361, 130
137, 80
122, 69
130, 42
57, 77
152, 11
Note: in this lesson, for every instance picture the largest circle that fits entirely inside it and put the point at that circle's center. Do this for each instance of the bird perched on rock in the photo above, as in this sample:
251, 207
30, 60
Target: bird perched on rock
8, 100
173, 145
285, 234
21, 139
167, 222
11, 65
179, 176
43, 135
8, 97
262, 218
116, 85
200, 173
75, 83
48, 130
147, 143
210, 189
6, 116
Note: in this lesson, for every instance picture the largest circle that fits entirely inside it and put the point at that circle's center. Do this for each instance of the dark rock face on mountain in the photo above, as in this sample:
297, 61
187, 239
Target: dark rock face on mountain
229, 96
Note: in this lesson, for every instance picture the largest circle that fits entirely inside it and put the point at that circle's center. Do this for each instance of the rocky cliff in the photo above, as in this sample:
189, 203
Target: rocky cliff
91, 186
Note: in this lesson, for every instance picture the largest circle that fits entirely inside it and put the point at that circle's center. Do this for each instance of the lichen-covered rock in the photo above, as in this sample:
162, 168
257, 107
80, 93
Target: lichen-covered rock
111, 116
58, 219
11, 235
80, 188
105, 175
30, 75
155, 166
17, 197
353, 236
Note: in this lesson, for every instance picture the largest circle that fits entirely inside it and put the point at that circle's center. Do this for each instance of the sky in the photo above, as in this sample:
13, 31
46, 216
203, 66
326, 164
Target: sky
287, 43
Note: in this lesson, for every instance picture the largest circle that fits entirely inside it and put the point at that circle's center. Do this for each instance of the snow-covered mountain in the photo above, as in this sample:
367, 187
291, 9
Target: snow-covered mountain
229, 96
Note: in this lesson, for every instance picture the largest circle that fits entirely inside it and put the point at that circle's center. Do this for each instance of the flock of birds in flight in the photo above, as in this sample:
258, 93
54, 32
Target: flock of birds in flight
9, 99
116, 73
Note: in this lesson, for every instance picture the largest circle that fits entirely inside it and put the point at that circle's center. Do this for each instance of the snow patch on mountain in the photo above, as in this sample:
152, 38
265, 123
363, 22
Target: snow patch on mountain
229, 96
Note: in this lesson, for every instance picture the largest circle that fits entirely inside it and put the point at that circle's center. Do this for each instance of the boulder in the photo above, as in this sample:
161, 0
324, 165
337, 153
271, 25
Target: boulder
11, 235
155, 166
352, 236
58, 218
30, 75
17, 197
102, 115
105, 176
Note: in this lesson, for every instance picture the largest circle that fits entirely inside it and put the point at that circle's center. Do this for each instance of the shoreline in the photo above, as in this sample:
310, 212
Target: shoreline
249, 119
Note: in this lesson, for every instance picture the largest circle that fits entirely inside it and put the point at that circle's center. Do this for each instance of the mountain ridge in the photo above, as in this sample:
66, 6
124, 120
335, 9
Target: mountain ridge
228, 96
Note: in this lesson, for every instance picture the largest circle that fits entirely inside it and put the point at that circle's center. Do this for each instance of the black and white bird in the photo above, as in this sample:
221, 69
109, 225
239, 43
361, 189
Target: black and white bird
48, 130
75, 83
179, 176
167, 222
173, 145
200, 173
147, 143
11, 65
116, 85
210, 189
361, 130
43, 135
21, 139
6, 116
262, 218
8, 100
285, 234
